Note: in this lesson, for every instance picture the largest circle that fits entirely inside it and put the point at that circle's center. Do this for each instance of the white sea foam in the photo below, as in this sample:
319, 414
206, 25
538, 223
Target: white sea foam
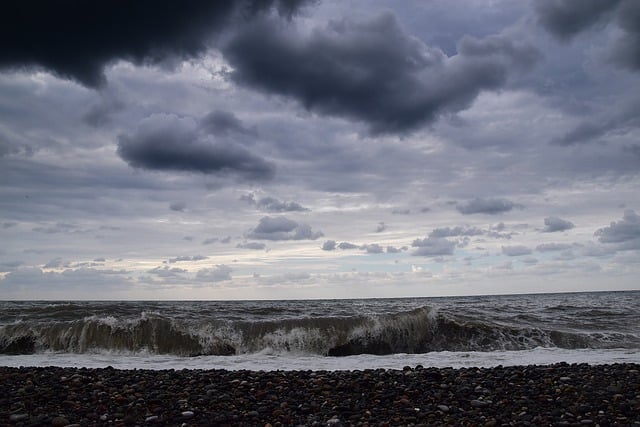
269, 360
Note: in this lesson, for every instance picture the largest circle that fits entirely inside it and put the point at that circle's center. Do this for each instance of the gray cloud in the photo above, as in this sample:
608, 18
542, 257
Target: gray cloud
455, 231
553, 224
178, 206
252, 245
517, 250
347, 245
100, 113
219, 273
626, 50
615, 121
56, 263
552, 247
224, 123
433, 246
167, 272
57, 228
487, 206
281, 228
567, 18
381, 227
271, 204
372, 248
329, 245
371, 71
168, 142
184, 258
74, 40
74, 282
7, 266
625, 234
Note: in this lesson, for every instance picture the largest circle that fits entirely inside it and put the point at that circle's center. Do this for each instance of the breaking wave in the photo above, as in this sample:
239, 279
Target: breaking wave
419, 330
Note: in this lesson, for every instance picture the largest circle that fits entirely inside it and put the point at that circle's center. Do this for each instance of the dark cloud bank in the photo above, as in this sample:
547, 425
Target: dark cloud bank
566, 19
77, 39
169, 142
371, 71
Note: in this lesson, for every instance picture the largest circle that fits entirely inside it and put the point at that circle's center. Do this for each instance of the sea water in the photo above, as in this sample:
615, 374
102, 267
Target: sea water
594, 328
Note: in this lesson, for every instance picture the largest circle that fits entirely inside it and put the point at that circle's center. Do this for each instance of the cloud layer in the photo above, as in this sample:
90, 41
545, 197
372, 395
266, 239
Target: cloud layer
168, 142
372, 71
318, 149
74, 40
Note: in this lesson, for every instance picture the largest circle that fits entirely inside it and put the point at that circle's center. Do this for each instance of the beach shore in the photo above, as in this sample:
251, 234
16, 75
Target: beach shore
561, 394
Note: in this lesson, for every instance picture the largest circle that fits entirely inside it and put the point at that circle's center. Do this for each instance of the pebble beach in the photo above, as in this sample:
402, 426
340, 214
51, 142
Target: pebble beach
561, 394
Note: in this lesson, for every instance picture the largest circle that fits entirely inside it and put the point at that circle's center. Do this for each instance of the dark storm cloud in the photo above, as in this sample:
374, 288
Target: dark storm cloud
567, 18
77, 39
625, 234
271, 204
281, 228
433, 246
101, 112
626, 51
553, 224
487, 206
223, 123
168, 142
615, 121
371, 71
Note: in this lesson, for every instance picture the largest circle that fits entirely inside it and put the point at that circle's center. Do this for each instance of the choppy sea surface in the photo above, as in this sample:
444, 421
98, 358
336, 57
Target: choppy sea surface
596, 328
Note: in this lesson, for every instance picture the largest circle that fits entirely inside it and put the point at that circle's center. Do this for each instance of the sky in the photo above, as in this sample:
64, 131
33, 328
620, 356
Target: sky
293, 149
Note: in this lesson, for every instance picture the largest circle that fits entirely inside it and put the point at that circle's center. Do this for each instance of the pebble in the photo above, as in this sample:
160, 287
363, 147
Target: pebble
479, 403
59, 422
18, 417
559, 394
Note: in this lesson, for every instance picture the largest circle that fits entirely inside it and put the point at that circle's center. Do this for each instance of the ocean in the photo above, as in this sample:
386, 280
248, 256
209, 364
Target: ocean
595, 328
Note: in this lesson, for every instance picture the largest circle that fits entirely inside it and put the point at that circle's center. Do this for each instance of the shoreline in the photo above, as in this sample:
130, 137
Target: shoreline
558, 394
